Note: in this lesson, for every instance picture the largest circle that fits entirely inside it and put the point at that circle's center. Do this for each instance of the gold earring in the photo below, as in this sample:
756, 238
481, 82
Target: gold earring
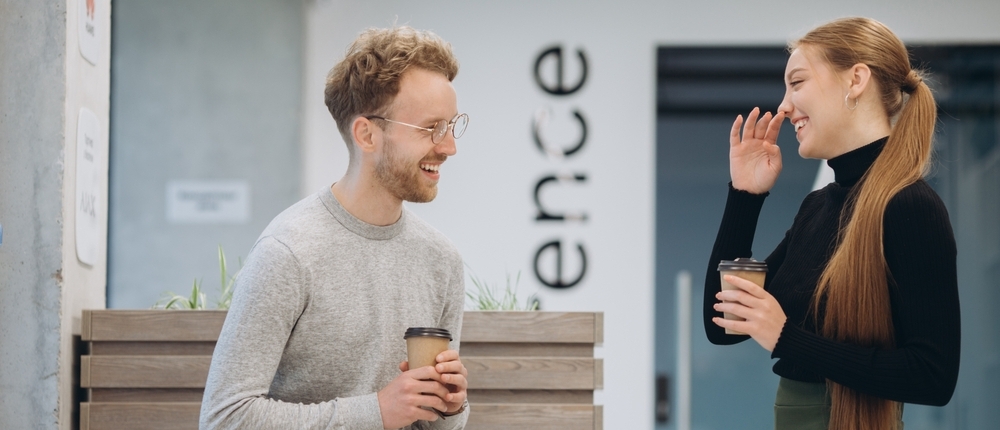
856, 101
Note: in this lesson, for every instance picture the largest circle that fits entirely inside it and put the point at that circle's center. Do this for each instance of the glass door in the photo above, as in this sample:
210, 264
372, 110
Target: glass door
966, 84
699, 93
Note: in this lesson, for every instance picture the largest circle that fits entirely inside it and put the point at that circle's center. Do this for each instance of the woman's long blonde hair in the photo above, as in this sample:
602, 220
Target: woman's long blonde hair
853, 291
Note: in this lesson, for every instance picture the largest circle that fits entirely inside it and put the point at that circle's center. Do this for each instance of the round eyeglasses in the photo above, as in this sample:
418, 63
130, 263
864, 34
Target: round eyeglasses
440, 128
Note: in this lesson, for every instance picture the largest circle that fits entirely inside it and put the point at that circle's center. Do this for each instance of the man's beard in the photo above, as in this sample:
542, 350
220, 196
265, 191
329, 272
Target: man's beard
395, 176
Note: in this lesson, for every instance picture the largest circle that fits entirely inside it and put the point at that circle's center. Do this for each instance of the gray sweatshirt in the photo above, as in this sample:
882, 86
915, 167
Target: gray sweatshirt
316, 324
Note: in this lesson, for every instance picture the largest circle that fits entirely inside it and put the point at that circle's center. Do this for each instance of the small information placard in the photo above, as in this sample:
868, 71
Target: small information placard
90, 41
89, 157
208, 202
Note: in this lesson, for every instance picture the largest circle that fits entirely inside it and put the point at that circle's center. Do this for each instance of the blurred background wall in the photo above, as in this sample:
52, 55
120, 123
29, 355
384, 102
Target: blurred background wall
205, 102
217, 124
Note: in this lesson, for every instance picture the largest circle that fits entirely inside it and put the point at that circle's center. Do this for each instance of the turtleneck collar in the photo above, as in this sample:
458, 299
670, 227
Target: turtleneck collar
850, 167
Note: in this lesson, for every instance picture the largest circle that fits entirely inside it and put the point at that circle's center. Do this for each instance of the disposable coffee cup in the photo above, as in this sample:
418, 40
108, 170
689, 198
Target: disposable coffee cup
746, 268
423, 344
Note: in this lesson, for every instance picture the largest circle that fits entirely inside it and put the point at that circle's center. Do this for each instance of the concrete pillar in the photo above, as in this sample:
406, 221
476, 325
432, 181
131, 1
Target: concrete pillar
49, 272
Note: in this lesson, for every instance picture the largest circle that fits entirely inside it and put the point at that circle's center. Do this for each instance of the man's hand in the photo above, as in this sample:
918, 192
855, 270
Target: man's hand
453, 375
402, 401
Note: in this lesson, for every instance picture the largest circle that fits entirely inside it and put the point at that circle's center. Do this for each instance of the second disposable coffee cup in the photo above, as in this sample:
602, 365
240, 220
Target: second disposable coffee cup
746, 268
423, 344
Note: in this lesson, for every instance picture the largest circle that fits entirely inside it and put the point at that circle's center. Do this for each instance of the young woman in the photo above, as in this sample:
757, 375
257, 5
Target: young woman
860, 306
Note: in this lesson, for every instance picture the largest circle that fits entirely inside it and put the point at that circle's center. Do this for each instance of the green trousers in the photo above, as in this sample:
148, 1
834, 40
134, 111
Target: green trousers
802, 406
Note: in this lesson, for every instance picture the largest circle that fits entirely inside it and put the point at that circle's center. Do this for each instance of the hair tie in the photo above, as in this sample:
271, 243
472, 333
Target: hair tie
912, 82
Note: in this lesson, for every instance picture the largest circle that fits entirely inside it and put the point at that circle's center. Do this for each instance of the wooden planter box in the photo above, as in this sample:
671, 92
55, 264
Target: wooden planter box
535, 370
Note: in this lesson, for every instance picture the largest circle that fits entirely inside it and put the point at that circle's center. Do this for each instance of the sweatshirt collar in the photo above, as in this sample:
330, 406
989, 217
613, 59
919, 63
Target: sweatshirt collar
357, 226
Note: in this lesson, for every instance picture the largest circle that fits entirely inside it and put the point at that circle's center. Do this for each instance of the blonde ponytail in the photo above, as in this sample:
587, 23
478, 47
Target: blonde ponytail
853, 292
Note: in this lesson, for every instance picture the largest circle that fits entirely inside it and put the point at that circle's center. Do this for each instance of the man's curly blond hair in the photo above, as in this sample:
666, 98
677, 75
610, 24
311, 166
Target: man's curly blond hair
367, 79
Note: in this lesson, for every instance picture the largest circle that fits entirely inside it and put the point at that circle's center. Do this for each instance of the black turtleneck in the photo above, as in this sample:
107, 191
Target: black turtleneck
920, 251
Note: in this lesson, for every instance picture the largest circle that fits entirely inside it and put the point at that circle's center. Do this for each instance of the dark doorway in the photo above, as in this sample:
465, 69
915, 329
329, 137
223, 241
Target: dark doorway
700, 90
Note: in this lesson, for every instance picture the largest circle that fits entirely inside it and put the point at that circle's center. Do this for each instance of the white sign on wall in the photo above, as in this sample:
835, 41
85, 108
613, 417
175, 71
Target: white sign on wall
90, 41
89, 156
208, 202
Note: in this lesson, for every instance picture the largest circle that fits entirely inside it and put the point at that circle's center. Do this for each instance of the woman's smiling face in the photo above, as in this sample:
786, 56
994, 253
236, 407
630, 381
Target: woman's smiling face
814, 103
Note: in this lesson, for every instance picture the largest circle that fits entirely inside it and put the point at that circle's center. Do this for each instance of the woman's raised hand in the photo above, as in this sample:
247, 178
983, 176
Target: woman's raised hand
755, 160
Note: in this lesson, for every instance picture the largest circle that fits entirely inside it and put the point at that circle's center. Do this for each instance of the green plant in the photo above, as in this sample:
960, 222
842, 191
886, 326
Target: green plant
490, 298
175, 301
196, 300
227, 283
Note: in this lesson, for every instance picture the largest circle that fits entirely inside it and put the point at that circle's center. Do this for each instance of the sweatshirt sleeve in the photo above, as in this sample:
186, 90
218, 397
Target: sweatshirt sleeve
451, 318
923, 366
735, 239
268, 298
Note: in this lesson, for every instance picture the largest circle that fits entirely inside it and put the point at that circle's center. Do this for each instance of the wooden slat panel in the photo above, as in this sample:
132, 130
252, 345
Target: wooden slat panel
85, 324
484, 416
528, 416
549, 327
481, 349
146, 416
161, 325
524, 366
148, 371
530, 373
598, 327
85, 416
84, 371
479, 326
530, 396
598, 373
151, 348
146, 395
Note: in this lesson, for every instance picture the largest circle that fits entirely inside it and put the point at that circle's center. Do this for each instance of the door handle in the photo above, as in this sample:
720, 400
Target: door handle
662, 398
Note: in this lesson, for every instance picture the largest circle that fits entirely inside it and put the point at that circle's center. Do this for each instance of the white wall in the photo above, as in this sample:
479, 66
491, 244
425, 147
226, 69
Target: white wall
88, 86
485, 205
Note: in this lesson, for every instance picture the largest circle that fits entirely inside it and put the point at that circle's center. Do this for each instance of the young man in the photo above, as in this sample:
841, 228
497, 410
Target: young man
314, 336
